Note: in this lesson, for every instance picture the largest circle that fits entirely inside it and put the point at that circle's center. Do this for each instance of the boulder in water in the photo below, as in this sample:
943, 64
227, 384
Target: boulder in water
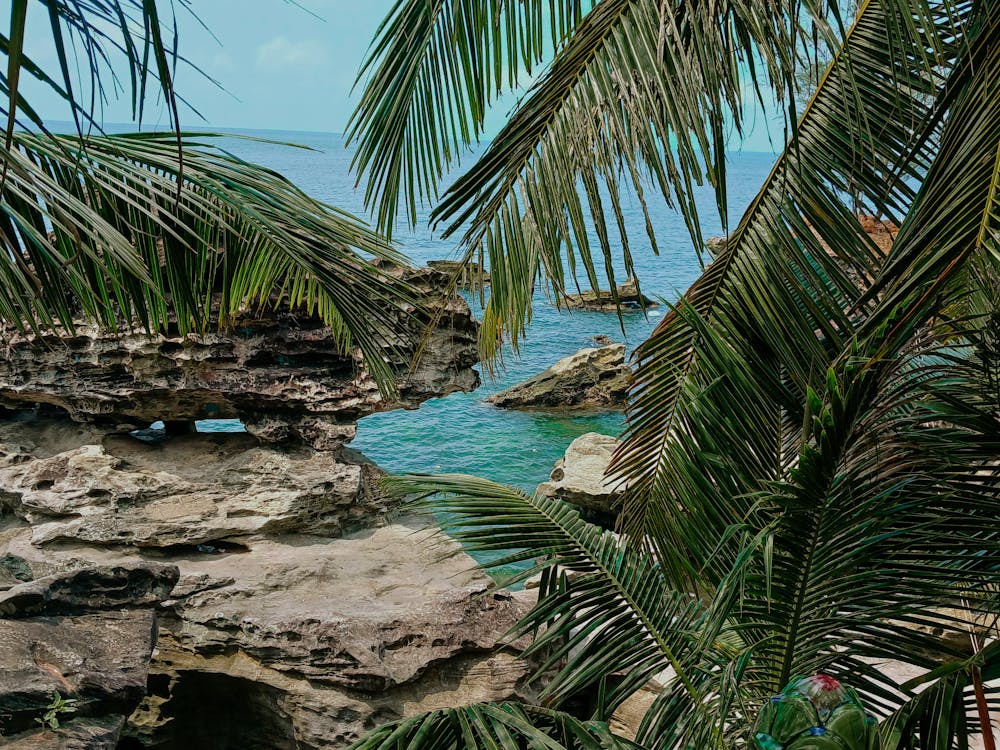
629, 298
593, 377
579, 478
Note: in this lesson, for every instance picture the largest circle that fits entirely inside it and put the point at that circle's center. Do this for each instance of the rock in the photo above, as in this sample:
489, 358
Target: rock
307, 642
470, 276
90, 589
602, 340
101, 659
192, 490
716, 245
590, 378
579, 478
629, 297
280, 373
102, 733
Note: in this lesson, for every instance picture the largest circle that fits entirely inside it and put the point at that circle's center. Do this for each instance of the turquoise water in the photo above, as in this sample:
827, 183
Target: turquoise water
459, 433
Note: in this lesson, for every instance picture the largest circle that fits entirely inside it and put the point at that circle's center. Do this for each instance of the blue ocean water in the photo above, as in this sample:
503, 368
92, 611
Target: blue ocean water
459, 433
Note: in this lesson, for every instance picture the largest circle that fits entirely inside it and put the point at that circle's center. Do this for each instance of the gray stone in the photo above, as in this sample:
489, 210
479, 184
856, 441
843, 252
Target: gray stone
579, 476
590, 378
629, 298
716, 245
191, 490
101, 733
100, 659
280, 373
90, 589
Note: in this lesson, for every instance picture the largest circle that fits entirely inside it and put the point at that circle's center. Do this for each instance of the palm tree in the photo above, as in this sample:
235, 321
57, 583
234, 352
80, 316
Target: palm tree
813, 430
157, 230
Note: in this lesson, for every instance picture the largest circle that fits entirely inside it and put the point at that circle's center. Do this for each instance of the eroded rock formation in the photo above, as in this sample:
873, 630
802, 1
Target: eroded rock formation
590, 378
303, 615
279, 373
579, 477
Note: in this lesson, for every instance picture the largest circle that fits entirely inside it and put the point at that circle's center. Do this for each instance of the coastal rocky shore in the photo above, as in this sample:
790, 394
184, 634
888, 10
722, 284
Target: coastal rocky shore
286, 603
595, 377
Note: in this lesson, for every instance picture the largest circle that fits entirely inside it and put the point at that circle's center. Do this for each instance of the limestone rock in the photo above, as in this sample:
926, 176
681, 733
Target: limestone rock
101, 659
469, 277
593, 377
716, 245
102, 733
194, 489
90, 589
312, 641
628, 295
296, 622
579, 476
280, 373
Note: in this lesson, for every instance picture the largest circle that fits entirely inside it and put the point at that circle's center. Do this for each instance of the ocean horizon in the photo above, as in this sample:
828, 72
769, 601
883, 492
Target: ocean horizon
460, 433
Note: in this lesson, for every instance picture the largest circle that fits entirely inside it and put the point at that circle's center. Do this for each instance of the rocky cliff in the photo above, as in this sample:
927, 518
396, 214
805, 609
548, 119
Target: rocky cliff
305, 610
279, 373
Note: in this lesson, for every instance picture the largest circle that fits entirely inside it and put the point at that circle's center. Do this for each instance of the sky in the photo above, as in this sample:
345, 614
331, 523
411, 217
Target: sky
279, 65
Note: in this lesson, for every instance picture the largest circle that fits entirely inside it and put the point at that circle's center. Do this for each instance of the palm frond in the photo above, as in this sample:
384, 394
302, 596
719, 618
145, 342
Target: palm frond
602, 604
790, 283
494, 726
642, 92
110, 229
938, 718
432, 72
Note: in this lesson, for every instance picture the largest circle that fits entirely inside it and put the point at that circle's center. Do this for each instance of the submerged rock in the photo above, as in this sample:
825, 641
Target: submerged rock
579, 478
590, 378
629, 297
280, 373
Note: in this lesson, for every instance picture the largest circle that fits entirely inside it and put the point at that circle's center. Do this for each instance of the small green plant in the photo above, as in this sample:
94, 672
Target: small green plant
59, 705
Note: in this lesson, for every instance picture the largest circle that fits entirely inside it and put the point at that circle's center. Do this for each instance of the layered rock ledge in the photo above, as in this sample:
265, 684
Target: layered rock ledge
590, 378
279, 373
305, 613
628, 297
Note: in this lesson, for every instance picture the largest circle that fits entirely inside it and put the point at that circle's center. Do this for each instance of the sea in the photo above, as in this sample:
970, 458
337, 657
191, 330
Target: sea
459, 433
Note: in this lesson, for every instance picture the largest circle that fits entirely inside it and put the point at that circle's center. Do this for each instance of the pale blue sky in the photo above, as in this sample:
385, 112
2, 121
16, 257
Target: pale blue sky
281, 67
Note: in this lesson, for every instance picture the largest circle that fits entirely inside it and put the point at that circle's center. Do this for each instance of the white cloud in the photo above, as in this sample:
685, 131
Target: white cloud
279, 53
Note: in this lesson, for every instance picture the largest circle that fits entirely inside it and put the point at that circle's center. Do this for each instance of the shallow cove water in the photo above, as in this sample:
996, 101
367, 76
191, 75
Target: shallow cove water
459, 433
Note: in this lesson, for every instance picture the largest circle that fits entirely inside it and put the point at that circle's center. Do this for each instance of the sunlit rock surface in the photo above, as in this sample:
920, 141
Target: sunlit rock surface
590, 378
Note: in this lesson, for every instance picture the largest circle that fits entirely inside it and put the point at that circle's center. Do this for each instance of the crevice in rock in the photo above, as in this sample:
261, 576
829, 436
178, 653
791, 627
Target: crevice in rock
210, 547
211, 711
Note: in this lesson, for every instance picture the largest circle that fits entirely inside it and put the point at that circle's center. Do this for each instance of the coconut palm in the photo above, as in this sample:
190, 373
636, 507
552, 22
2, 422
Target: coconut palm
160, 230
813, 428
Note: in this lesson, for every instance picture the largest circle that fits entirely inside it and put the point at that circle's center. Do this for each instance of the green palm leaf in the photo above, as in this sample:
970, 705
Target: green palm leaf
432, 72
501, 726
110, 229
789, 286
